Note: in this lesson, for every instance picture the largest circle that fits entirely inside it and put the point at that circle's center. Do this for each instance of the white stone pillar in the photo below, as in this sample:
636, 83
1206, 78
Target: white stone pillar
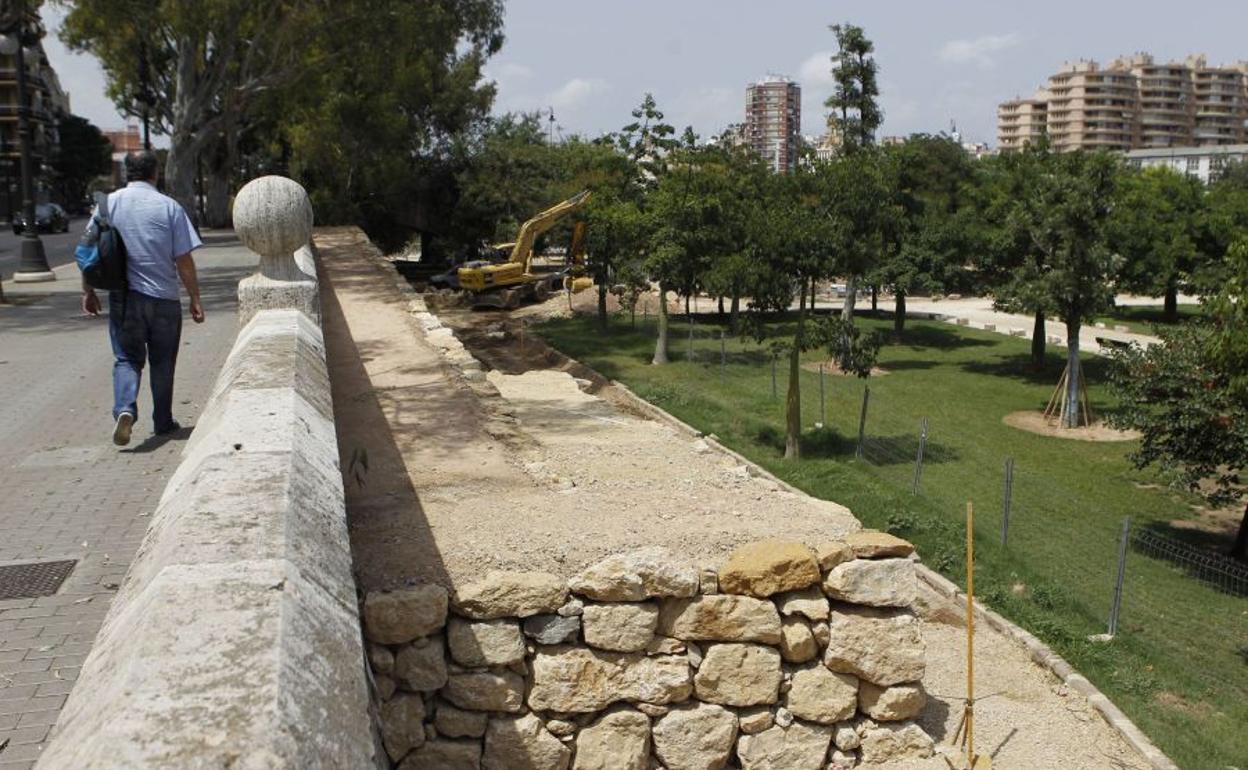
273, 218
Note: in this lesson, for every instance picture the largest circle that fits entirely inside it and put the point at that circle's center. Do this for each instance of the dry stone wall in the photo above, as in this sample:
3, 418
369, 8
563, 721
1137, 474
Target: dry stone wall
786, 657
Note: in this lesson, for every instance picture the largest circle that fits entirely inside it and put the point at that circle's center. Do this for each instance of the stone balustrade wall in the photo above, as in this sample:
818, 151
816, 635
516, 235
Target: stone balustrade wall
786, 656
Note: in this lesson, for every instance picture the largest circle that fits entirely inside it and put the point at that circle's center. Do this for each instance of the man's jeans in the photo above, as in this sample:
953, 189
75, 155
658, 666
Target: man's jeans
144, 328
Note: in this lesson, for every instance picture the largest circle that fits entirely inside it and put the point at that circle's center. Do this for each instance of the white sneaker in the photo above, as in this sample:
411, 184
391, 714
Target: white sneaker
121, 431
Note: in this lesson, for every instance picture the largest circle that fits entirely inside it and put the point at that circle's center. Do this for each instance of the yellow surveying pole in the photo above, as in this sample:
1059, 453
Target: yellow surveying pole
966, 729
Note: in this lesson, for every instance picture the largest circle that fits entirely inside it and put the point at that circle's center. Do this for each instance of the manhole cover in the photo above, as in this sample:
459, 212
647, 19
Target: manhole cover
26, 581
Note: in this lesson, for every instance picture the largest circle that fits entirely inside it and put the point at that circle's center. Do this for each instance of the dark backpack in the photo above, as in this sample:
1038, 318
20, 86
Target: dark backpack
103, 263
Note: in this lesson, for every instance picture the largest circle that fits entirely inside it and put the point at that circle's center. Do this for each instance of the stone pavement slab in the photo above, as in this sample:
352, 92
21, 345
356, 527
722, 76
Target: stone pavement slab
65, 491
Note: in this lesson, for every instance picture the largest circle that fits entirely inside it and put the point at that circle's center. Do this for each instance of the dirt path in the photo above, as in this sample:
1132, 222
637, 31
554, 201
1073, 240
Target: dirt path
545, 475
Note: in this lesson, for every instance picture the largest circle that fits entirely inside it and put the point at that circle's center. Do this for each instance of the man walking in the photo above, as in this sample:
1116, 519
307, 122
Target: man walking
145, 322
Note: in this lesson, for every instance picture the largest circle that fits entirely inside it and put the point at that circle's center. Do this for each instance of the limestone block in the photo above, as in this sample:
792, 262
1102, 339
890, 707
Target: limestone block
510, 594
882, 646
892, 704
618, 741
561, 728
896, 741
576, 680
381, 659
402, 725
421, 665
797, 643
768, 567
720, 617
573, 607
871, 544
739, 675
846, 738
665, 645
708, 581
873, 582
809, 603
833, 553
454, 722
798, 747
822, 696
695, 736
1017, 332
754, 720
478, 644
385, 686
842, 760
395, 617
637, 575
444, 755
485, 691
522, 743
622, 627
822, 633
552, 629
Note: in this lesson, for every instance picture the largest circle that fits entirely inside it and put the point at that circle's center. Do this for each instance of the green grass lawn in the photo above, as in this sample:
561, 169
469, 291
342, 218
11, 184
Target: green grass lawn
1142, 319
1179, 666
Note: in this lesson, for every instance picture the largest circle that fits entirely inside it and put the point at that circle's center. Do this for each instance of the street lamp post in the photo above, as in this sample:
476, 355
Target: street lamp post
33, 266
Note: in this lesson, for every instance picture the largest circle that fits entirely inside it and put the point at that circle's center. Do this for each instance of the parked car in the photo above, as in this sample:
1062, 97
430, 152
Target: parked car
49, 218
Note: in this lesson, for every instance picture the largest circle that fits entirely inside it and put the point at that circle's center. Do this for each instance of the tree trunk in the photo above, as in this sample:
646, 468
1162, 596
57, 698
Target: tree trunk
899, 312
851, 296
812, 294
875, 298
660, 343
734, 314
217, 210
602, 307
1037, 342
186, 141
1170, 313
721, 307
180, 173
1074, 376
687, 306
793, 401
1239, 550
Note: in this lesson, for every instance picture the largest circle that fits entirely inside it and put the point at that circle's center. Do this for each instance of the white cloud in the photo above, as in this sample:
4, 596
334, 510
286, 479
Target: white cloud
576, 92
514, 71
978, 51
816, 71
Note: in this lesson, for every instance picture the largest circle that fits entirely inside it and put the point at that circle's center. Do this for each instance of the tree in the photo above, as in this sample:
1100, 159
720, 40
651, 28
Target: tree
853, 101
855, 194
925, 231
1188, 397
82, 155
1157, 228
854, 98
1067, 218
1010, 263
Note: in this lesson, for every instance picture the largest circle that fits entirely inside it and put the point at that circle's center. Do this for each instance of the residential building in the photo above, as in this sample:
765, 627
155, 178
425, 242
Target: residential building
1204, 163
48, 102
773, 121
124, 141
1133, 103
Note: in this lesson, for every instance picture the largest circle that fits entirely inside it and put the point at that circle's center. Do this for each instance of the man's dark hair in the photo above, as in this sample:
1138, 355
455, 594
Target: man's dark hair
141, 166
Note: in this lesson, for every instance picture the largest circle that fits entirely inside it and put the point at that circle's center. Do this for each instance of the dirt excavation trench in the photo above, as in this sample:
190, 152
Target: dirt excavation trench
540, 465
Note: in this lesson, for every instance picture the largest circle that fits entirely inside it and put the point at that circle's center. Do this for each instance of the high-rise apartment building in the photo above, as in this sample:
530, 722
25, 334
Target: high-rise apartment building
1133, 103
773, 121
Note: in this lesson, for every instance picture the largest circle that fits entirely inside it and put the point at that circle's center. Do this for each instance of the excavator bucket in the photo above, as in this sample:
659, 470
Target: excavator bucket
578, 285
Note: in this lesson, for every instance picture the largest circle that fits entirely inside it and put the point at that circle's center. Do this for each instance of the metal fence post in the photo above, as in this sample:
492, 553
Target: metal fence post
690, 339
773, 376
1116, 608
1009, 497
823, 406
723, 356
862, 420
918, 460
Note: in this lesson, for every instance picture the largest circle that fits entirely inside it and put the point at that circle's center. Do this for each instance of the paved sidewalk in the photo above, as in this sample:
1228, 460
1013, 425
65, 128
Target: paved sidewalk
65, 491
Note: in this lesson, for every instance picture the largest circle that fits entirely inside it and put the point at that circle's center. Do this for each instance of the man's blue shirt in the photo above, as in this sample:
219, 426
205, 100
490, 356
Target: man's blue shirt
156, 231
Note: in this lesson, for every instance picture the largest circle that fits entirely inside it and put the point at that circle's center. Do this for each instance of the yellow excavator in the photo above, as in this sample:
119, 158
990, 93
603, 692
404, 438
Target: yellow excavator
507, 284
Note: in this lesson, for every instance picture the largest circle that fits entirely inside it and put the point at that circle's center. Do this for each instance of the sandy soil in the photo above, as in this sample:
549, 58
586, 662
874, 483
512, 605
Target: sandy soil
546, 475
1034, 422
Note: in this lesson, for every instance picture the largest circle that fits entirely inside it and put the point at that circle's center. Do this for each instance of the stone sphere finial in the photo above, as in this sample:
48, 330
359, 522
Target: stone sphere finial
273, 216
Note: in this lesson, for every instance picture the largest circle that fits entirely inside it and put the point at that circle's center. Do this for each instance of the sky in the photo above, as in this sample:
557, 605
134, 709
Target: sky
940, 61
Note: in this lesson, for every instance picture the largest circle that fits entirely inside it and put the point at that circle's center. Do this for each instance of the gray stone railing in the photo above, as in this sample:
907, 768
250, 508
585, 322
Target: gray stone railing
234, 640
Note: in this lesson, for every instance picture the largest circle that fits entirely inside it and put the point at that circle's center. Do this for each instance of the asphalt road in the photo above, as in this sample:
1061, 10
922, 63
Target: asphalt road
59, 247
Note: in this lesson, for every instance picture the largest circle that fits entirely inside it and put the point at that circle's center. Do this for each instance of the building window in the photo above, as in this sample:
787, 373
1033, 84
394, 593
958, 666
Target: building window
1193, 165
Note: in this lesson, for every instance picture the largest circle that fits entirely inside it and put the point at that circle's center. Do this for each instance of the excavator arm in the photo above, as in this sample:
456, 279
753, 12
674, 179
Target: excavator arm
522, 251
